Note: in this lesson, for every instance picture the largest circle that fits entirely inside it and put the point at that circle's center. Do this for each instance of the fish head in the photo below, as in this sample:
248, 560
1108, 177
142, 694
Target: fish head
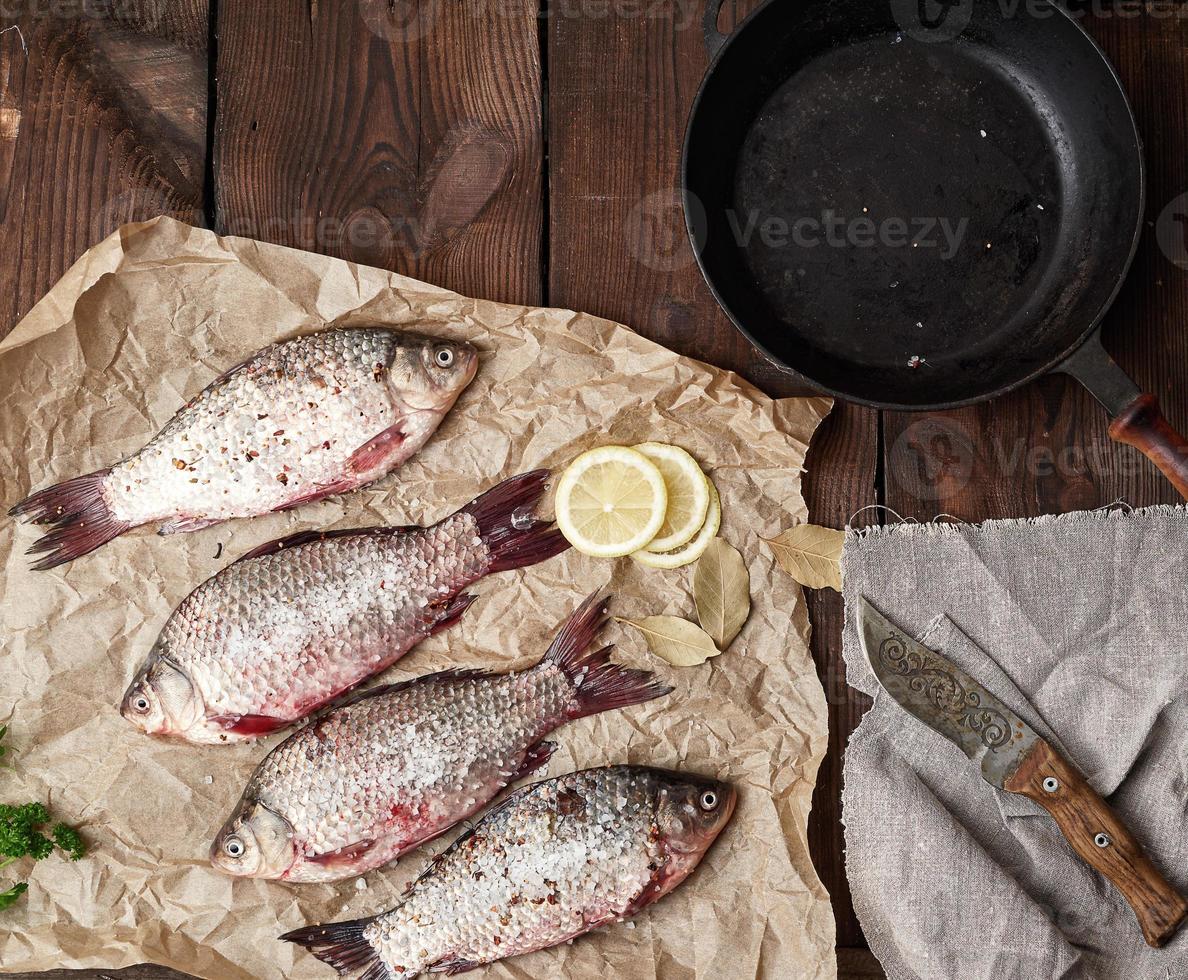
427, 374
690, 813
162, 700
255, 843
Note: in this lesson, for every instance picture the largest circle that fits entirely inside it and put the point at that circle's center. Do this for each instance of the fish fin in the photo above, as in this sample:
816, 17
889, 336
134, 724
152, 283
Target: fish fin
454, 673
79, 517
375, 452
250, 725
305, 537
449, 613
319, 492
598, 684
343, 946
412, 845
654, 889
601, 685
505, 523
342, 858
234, 370
535, 758
183, 525
451, 967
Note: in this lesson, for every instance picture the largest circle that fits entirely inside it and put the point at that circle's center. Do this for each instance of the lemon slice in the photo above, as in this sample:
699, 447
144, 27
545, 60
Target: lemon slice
610, 502
695, 548
688, 495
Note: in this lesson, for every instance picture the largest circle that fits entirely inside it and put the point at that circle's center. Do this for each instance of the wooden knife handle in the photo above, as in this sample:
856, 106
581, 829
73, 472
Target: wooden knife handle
1101, 839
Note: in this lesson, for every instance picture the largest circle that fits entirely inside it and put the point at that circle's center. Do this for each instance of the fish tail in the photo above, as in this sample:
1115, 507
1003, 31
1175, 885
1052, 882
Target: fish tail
599, 684
343, 946
78, 515
504, 516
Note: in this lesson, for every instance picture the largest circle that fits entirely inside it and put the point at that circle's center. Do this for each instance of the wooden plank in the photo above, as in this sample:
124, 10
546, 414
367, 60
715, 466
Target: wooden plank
102, 121
1045, 449
858, 964
840, 474
620, 89
407, 137
618, 248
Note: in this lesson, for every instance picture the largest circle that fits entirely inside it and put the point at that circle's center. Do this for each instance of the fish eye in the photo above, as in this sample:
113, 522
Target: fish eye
443, 357
141, 704
233, 846
709, 800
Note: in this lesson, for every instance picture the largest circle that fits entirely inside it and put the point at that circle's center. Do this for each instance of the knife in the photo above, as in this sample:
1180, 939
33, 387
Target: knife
1013, 757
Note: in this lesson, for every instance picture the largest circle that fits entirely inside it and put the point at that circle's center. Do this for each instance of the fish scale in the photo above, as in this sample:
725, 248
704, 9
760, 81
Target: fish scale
223, 454
553, 861
403, 763
399, 748
283, 630
232, 648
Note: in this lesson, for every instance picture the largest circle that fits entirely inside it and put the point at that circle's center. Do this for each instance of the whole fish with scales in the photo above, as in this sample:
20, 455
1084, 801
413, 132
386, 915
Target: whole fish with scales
297, 622
551, 862
398, 765
320, 414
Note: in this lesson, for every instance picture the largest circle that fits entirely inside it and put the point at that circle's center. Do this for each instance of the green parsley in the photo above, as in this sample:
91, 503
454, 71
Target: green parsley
10, 896
21, 836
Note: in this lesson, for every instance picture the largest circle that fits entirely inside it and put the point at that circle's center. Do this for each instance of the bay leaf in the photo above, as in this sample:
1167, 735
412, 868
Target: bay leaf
722, 592
811, 555
681, 643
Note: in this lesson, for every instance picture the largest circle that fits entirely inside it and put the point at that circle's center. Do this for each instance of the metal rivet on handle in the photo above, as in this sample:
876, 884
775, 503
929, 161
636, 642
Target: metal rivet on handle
1051, 784
1102, 840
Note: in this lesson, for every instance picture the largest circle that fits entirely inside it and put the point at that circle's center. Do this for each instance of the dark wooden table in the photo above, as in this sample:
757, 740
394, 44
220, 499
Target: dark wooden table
526, 151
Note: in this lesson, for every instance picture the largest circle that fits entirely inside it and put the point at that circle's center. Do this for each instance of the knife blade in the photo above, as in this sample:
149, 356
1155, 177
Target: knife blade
1012, 756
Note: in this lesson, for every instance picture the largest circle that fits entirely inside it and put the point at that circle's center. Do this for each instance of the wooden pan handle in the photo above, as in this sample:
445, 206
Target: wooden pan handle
1101, 839
1141, 424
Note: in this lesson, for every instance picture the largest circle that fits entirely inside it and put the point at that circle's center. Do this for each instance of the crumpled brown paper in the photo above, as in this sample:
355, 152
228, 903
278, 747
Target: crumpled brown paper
146, 319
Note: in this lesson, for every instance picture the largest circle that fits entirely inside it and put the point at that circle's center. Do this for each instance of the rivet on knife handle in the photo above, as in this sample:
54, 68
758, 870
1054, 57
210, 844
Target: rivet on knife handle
1100, 838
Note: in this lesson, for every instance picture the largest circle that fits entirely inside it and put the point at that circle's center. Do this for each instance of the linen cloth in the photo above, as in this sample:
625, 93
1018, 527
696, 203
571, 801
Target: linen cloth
1080, 624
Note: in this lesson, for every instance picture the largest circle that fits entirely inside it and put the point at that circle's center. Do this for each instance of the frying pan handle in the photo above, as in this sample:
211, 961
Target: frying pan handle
714, 38
1135, 417
1142, 425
